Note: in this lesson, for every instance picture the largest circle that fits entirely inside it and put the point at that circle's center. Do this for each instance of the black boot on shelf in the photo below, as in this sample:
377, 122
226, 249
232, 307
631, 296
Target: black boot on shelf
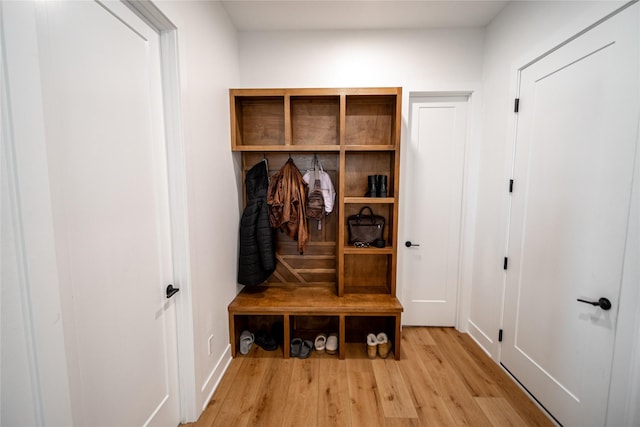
372, 190
382, 186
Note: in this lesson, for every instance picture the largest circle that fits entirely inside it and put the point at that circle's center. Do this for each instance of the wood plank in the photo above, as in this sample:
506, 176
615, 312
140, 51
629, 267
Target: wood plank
357, 360
474, 377
341, 193
286, 148
420, 336
271, 398
394, 394
302, 397
518, 399
366, 408
460, 403
217, 401
295, 299
499, 412
430, 405
239, 402
403, 422
333, 398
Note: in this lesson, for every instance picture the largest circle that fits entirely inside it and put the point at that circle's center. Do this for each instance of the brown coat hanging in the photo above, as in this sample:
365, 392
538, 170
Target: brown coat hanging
287, 198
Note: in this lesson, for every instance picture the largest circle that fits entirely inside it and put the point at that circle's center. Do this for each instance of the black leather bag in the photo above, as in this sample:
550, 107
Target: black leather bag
365, 228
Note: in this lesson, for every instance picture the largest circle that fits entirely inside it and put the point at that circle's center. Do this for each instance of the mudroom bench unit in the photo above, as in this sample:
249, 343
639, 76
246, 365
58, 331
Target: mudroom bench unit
306, 311
331, 283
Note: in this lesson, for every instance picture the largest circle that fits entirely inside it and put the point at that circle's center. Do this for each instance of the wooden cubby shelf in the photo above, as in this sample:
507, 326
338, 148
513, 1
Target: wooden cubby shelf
333, 286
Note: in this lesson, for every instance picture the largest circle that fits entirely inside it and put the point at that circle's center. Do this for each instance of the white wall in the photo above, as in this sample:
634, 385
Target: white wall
520, 33
208, 68
360, 58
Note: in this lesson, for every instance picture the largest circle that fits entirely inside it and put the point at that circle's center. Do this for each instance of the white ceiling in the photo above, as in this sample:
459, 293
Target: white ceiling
277, 15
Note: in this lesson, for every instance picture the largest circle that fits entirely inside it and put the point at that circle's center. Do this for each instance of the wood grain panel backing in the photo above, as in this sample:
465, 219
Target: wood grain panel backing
369, 120
315, 120
260, 121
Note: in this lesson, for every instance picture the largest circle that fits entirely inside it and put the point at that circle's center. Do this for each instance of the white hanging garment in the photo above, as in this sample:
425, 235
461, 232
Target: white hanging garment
326, 186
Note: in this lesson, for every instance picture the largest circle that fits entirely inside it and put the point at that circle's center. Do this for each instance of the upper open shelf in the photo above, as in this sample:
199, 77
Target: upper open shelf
360, 119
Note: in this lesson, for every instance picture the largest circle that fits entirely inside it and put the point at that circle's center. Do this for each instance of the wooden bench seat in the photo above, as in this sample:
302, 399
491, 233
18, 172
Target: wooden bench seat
298, 308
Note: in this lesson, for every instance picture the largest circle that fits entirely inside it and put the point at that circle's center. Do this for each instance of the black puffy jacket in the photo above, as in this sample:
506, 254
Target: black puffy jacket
257, 258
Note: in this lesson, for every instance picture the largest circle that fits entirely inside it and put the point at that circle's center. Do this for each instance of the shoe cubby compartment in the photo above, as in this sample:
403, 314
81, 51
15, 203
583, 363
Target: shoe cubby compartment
358, 327
309, 327
273, 325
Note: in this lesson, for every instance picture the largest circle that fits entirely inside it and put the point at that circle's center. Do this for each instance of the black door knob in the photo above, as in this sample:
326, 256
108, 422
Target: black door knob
604, 303
409, 244
171, 291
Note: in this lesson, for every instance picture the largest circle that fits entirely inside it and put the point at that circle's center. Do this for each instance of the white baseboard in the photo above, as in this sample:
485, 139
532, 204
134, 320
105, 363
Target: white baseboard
482, 339
213, 380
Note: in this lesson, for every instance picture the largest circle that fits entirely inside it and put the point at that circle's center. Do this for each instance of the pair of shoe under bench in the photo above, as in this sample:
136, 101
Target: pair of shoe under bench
284, 303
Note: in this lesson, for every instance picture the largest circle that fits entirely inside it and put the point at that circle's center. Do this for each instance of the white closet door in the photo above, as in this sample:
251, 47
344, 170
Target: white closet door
433, 209
105, 141
576, 143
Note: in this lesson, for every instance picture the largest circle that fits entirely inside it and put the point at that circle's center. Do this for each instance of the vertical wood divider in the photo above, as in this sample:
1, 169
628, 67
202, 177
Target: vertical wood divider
234, 121
342, 338
397, 338
287, 119
341, 196
396, 192
286, 336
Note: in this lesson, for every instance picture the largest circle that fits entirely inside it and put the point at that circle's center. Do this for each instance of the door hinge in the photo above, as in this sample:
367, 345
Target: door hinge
516, 105
506, 262
500, 335
510, 186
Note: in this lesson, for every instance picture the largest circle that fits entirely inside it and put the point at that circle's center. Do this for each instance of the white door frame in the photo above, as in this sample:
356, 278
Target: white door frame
28, 184
469, 191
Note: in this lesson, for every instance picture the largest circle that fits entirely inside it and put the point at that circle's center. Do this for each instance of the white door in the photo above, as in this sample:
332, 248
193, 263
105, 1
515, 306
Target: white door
104, 133
433, 204
575, 145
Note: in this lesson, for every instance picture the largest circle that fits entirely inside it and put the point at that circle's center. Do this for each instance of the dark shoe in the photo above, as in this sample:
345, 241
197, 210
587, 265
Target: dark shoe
382, 185
372, 186
277, 332
296, 347
305, 349
265, 341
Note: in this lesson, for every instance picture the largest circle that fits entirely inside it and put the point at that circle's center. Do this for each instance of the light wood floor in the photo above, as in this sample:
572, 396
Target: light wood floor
442, 379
